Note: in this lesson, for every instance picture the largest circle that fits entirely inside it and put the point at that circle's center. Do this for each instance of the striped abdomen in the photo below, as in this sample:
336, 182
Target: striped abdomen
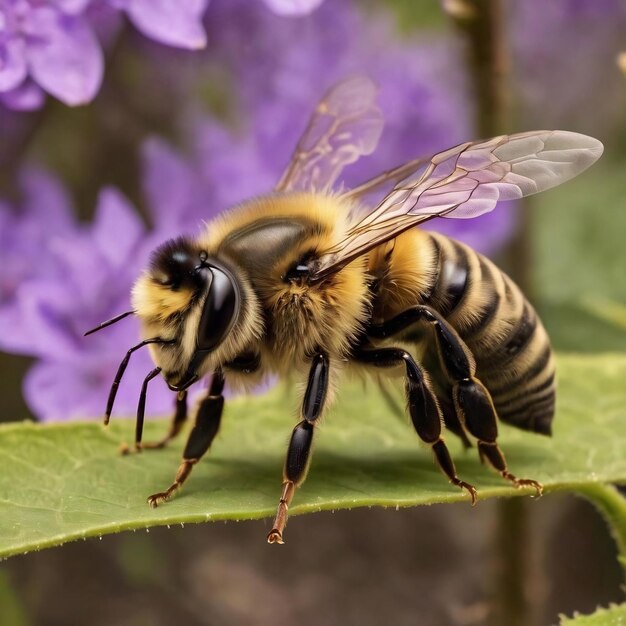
512, 350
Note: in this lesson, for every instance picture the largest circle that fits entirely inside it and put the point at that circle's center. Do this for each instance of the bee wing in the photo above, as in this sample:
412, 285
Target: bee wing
464, 182
378, 183
346, 124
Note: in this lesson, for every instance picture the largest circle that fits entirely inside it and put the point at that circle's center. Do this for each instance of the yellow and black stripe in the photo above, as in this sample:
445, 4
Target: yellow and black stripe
512, 350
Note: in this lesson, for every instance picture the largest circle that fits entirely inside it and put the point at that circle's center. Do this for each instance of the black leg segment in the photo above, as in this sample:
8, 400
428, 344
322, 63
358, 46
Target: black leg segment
472, 401
206, 426
179, 419
141, 407
298, 452
316, 388
423, 407
120, 373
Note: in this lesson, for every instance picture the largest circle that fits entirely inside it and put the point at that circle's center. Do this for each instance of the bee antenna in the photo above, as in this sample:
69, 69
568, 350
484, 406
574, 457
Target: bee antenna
113, 320
122, 368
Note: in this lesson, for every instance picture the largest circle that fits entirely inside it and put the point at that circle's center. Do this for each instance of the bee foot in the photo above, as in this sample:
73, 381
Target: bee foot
159, 498
470, 489
275, 536
125, 449
524, 482
155, 445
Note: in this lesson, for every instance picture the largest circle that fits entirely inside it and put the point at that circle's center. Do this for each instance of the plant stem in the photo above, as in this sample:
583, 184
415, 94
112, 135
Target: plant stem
512, 537
612, 506
482, 24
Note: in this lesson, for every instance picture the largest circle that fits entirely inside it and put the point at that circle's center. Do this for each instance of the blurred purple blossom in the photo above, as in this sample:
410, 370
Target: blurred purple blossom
52, 46
275, 76
293, 7
45, 214
553, 45
61, 278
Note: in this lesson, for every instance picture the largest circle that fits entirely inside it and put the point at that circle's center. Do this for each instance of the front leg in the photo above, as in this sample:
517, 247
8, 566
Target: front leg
200, 438
176, 424
297, 461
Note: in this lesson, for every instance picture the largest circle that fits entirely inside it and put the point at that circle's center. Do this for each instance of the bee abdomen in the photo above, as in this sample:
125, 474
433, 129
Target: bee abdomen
509, 343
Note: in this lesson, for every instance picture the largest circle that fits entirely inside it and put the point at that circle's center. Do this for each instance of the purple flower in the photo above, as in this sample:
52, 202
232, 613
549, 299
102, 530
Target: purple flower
293, 7
173, 23
45, 214
64, 278
52, 46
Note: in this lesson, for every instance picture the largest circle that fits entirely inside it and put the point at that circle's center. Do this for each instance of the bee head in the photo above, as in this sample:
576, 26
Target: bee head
174, 266
192, 298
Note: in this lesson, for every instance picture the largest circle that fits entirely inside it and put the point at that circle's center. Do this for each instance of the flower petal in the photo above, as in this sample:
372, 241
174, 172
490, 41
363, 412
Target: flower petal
27, 97
117, 228
169, 185
65, 57
12, 64
73, 7
293, 7
172, 23
64, 390
46, 202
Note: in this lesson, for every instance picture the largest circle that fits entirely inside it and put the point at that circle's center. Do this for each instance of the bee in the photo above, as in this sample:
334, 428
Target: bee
306, 282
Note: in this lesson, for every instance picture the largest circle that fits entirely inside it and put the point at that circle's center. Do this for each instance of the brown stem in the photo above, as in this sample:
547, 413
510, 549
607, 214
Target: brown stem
482, 24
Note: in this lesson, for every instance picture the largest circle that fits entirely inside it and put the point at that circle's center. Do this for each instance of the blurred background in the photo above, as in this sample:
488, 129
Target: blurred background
123, 124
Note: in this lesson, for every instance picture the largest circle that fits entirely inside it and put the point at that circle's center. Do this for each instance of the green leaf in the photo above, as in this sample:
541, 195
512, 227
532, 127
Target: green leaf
585, 326
613, 616
67, 481
578, 236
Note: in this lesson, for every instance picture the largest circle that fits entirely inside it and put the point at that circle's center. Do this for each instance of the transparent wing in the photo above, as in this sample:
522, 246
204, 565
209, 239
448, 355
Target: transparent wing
467, 181
345, 125
384, 180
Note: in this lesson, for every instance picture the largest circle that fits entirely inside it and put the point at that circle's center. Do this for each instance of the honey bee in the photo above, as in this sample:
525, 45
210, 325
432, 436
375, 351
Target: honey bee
304, 282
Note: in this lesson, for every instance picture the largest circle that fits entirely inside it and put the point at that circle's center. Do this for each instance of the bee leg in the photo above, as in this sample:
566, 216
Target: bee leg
476, 410
452, 422
423, 407
179, 419
298, 452
472, 400
200, 438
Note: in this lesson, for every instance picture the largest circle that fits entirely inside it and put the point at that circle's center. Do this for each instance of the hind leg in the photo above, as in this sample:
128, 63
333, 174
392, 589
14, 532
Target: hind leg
472, 402
423, 407
452, 422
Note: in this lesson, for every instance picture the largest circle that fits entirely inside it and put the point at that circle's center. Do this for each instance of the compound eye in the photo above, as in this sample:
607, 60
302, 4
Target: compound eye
220, 311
